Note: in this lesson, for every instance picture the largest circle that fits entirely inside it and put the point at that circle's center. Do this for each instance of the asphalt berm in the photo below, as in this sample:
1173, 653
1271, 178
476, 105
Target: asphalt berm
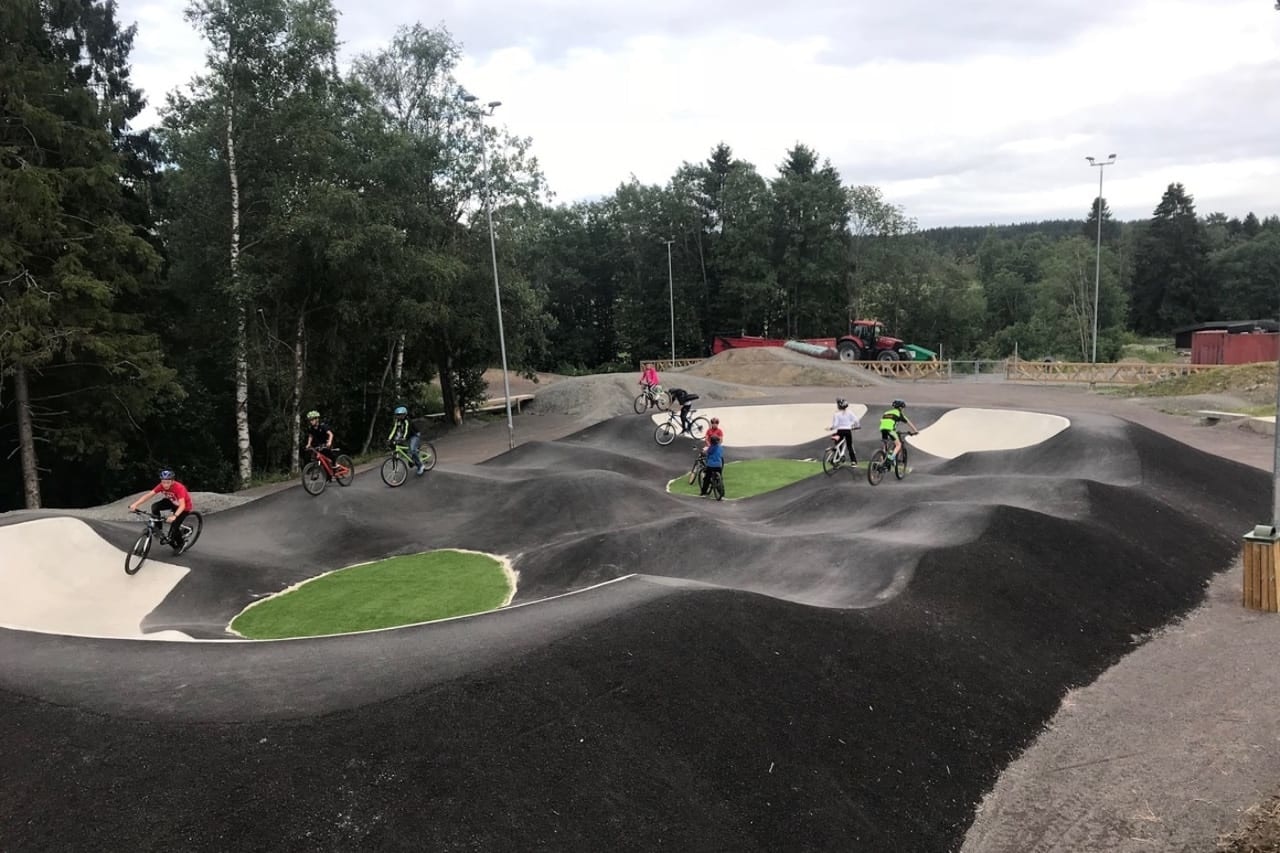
827, 667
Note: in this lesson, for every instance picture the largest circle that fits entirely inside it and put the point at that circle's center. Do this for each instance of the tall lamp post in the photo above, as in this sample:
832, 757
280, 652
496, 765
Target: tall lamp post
1097, 266
671, 295
493, 250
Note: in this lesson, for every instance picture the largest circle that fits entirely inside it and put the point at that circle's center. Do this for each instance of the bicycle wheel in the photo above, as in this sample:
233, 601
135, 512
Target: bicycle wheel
665, 433
900, 463
695, 471
641, 404
313, 478
135, 558
829, 464
394, 471
875, 469
192, 525
427, 453
698, 427
344, 470
661, 401
717, 486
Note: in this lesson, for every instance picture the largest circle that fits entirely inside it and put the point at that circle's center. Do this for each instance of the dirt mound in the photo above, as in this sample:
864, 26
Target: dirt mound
773, 366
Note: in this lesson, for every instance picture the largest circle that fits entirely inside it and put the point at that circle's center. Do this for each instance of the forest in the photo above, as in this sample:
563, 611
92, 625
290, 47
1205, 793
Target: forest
296, 233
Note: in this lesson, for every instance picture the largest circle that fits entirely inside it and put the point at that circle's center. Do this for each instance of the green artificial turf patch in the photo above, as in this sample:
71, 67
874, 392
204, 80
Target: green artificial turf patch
396, 591
754, 477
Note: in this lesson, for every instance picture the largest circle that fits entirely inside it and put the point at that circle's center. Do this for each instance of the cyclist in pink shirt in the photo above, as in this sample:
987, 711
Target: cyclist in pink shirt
175, 498
649, 376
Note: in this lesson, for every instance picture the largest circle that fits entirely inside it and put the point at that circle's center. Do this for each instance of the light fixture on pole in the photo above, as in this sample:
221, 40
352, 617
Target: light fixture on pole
493, 250
671, 295
1097, 267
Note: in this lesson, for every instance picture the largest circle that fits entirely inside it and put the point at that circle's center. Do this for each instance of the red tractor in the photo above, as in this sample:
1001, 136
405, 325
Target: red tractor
867, 341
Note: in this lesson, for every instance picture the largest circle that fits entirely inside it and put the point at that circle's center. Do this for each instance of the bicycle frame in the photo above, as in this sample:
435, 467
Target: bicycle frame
331, 469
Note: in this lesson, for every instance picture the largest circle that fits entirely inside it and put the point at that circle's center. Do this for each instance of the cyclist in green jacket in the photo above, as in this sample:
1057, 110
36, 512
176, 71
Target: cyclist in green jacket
889, 422
403, 432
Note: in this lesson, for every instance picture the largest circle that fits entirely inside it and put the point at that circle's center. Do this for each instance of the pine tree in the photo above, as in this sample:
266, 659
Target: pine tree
1172, 284
71, 264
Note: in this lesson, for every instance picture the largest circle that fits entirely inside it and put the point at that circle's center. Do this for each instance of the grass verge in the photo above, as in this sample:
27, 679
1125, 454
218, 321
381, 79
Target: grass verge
396, 591
753, 477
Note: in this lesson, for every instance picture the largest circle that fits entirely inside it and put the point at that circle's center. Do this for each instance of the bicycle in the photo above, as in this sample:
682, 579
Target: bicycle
317, 473
667, 432
652, 397
699, 465
715, 483
837, 456
880, 463
190, 529
395, 470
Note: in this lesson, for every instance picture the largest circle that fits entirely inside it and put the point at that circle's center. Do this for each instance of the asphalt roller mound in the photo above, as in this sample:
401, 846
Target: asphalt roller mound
829, 666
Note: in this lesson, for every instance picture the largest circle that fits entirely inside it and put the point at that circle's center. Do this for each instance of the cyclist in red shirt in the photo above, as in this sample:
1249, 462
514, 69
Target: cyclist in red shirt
713, 430
173, 497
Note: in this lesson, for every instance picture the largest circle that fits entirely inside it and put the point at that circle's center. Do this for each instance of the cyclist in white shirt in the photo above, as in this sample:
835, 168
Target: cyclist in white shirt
844, 422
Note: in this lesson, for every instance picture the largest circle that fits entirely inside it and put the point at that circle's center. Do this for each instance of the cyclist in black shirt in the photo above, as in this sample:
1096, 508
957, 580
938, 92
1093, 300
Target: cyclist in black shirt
685, 399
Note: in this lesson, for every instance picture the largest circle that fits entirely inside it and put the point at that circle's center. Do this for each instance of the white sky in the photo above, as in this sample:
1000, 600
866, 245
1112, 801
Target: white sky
964, 113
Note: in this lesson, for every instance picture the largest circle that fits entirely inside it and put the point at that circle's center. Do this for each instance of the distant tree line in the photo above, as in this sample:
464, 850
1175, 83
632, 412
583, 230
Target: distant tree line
295, 236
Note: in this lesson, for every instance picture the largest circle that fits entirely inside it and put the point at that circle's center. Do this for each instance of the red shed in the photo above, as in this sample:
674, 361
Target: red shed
1222, 347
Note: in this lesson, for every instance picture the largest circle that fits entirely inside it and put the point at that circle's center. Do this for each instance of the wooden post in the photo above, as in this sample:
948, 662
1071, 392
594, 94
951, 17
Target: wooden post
1261, 556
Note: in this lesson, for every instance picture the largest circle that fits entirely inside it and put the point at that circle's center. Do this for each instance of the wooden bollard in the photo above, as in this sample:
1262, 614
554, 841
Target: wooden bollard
1261, 556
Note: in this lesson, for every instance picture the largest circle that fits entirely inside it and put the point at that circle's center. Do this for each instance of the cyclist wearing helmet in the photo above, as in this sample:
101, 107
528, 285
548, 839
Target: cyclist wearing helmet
175, 499
685, 399
889, 422
319, 436
715, 462
843, 423
403, 433
649, 380
713, 430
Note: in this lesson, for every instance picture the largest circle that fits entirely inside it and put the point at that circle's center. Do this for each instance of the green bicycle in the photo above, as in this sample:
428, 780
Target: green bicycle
395, 470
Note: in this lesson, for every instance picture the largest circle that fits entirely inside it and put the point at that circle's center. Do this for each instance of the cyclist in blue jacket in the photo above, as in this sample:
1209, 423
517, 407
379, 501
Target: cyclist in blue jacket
715, 462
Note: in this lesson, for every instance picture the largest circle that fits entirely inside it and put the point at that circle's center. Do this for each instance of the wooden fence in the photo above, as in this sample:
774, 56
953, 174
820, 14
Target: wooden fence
1013, 370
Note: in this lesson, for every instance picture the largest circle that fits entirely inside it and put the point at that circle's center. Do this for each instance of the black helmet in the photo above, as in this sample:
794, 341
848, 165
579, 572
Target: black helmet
715, 439
842, 403
899, 404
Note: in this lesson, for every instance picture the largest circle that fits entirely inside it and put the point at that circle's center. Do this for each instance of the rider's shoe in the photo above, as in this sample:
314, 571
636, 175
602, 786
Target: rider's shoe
422, 469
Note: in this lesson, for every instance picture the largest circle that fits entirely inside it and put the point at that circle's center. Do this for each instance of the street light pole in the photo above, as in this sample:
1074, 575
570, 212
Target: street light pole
1097, 268
671, 294
493, 250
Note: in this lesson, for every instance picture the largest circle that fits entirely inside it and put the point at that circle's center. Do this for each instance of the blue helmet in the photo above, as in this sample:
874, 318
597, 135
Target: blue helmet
401, 410
166, 474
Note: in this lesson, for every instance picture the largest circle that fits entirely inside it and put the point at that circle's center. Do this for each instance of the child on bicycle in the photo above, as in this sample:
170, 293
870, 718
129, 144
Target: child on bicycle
320, 437
712, 431
685, 399
889, 426
844, 422
175, 499
404, 433
715, 463
649, 381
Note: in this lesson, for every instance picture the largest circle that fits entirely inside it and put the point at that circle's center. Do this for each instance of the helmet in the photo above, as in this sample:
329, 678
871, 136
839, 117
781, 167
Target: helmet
166, 474
842, 403
715, 421
312, 414
401, 410
715, 439
899, 404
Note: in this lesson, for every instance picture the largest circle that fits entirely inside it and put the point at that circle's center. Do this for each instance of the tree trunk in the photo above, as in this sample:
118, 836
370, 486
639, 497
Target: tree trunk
447, 396
26, 439
377, 405
399, 386
299, 374
244, 450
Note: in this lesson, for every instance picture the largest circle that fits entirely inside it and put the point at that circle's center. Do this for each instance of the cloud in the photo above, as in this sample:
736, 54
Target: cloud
973, 112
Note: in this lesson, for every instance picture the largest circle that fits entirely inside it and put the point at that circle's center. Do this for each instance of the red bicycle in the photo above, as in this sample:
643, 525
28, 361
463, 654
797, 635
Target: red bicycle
317, 473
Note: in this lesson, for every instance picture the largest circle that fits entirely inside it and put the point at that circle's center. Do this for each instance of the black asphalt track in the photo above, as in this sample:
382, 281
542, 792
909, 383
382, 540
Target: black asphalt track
828, 667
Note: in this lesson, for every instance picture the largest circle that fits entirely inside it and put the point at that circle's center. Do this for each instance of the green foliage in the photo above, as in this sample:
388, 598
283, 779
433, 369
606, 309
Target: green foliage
755, 477
1171, 282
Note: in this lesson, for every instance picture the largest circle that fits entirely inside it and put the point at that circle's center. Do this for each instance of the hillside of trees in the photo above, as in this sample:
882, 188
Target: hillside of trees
295, 235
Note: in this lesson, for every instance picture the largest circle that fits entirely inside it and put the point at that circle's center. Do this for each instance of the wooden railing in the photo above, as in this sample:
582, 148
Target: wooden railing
661, 364
1135, 373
